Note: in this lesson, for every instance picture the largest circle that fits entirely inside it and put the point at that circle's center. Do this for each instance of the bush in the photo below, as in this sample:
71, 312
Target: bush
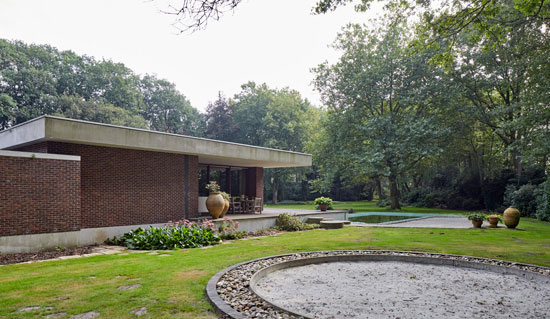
289, 222
524, 199
178, 235
228, 230
543, 201
383, 202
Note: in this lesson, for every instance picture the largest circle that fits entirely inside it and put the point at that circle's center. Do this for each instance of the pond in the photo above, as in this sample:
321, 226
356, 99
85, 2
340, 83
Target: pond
386, 217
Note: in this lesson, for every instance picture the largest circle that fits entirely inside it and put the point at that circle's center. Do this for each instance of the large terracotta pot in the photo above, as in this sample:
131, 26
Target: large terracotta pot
323, 207
511, 217
225, 208
215, 204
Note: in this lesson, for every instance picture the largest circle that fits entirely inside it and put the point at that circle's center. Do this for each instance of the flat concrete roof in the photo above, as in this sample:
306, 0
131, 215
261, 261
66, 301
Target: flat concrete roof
214, 152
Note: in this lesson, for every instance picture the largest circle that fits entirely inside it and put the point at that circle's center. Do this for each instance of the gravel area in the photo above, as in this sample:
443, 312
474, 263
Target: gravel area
233, 286
404, 290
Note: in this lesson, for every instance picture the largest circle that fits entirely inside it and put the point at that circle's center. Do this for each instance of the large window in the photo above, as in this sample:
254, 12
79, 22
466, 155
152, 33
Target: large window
219, 174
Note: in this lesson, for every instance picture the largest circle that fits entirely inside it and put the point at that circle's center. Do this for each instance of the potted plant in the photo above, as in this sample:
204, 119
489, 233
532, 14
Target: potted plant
226, 207
493, 220
477, 219
511, 217
215, 202
323, 203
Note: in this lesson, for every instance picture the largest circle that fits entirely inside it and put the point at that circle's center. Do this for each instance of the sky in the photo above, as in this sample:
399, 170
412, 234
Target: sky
266, 41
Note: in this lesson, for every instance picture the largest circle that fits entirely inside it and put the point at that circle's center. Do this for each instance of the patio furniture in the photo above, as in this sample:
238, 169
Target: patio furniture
258, 205
248, 205
236, 207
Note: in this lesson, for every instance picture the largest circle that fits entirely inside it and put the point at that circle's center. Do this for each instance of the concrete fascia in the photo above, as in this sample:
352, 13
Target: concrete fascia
209, 151
29, 132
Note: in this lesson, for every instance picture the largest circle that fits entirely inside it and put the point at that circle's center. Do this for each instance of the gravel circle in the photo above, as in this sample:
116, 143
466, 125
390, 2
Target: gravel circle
230, 293
389, 289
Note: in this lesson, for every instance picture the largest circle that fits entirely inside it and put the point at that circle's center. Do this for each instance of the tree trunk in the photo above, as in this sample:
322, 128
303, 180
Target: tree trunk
379, 189
394, 193
275, 189
518, 166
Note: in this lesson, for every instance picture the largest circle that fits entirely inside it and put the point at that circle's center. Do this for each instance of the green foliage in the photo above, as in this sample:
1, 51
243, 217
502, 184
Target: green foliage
287, 222
225, 195
323, 201
383, 202
524, 199
543, 202
228, 230
39, 79
382, 102
477, 216
219, 120
170, 237
213, 186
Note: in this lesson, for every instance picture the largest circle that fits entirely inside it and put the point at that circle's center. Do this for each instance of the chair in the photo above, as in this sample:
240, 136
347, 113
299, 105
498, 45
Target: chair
249, 206
236, 207
258, 205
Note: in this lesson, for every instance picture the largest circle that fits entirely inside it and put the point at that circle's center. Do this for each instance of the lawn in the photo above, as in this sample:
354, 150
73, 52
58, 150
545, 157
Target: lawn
366, 206
173, 286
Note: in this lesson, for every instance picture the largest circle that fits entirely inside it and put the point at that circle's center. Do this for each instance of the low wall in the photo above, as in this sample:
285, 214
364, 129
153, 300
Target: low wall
83, 237
39, 193
256, 223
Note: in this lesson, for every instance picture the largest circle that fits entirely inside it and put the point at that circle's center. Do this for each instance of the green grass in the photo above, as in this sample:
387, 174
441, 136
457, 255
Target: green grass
173, 287
368, 206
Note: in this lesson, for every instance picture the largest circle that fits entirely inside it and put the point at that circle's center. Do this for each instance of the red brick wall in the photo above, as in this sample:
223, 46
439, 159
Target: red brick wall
41, 147
255, 182
39, 195
132, 187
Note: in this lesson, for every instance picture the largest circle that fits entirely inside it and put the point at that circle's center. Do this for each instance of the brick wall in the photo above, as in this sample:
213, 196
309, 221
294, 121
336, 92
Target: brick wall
39, 195
255, 182
132, 187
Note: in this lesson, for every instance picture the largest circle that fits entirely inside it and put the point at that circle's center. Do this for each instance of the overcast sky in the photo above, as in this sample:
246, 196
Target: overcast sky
271, 41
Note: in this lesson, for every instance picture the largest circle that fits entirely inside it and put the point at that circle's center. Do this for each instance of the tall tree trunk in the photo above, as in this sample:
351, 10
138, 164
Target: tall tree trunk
518, 166
394, 192
379, 189
275, 189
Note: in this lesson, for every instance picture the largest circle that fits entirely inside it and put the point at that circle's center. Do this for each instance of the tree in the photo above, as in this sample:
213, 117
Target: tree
219, 121
380, 96
168, 110
39, 79
498, 82
195, 14
272, 118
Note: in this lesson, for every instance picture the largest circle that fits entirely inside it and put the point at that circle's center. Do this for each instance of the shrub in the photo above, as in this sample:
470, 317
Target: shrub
228, 230
524, 199
383, 202
289, 222
543, 201
183, 234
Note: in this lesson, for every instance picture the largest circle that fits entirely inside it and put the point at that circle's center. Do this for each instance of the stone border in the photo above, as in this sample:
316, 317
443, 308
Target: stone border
242, 277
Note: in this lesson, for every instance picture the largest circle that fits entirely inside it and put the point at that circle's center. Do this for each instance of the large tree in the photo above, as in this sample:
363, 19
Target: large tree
380, 97
219, 121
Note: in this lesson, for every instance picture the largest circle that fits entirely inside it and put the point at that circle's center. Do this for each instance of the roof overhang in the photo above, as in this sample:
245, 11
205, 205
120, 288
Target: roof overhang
58, 129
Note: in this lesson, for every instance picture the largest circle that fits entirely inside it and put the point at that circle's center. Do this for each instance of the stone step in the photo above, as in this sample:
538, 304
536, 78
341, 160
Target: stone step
314, 220
333, 224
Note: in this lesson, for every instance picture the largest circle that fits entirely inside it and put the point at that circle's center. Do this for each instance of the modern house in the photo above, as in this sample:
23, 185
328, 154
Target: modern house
66, 182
